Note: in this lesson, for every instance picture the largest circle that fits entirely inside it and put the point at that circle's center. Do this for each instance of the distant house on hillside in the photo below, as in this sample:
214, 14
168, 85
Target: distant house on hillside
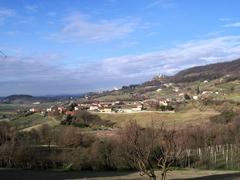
76, 108
93, 108
207, 92
106, 109
34, 110
163, 102
49, 109
195, 97
61, 109
36, 103
137, 107
71, 113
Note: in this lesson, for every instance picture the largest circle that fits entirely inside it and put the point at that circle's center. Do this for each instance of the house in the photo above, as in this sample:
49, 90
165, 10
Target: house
137, 108
106, 110
61, 109
71, 113
195, 97
181, 94
93, 108
49, 109
167, 85
206, 92
76, 108
36, 103
163, 103
34, 110
176, 89
158, 90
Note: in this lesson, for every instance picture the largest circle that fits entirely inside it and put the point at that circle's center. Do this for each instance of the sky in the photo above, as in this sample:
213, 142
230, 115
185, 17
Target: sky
76, 46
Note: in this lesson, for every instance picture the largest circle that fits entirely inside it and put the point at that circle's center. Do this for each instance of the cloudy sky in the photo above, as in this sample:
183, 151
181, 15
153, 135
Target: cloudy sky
75, 46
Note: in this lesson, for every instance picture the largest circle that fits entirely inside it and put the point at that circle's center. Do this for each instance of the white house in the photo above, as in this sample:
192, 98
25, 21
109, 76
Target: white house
76, 108
36, 103
49, 109
195, 97
137, 108
93, 108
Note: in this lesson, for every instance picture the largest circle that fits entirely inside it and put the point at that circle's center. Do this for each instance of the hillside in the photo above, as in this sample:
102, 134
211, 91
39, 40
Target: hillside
209, 72
219, 76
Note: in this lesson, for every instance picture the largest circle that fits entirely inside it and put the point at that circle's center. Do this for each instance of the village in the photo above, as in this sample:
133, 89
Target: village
160, 104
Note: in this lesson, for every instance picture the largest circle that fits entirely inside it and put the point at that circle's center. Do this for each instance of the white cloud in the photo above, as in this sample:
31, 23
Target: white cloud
224, 19
6, 13
160, 3
80, 27
196, 52
235, 24
40, 74
32, 8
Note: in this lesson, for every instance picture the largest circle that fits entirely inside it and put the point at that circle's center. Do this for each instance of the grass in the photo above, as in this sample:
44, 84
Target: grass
191, 116
32, 121
233, 96
10, 107
114, 97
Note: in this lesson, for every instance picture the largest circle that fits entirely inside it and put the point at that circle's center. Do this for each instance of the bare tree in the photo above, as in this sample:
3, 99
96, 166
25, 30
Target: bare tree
168, 151
137, 145
151, 148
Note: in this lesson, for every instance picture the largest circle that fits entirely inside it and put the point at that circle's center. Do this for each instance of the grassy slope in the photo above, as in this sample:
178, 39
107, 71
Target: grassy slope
33, 121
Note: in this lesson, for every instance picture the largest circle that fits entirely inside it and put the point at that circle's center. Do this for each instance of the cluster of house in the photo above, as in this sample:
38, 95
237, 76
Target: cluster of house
105, 107
126, 106
117, 106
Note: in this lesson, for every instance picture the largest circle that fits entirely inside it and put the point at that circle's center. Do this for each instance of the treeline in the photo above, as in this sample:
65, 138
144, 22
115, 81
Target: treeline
211, 146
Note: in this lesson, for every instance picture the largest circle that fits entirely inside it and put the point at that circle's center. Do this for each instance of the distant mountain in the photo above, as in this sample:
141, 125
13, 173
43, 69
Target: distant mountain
25, 99
209, 72
18, 99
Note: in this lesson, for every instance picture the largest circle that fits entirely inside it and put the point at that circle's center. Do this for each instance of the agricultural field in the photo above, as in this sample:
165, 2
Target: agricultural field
190, 116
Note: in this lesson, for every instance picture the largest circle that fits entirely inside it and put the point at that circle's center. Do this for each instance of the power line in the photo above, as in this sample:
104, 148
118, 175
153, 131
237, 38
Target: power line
4, 55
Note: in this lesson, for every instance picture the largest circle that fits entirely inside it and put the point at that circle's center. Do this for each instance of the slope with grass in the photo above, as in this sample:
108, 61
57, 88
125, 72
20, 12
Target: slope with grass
32, 121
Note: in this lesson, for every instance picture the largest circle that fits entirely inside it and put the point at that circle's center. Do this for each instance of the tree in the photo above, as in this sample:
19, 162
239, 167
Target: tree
168, 151
46, 135
150, 148
137, 145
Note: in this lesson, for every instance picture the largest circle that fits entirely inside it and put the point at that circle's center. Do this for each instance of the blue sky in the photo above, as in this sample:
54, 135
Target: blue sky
74, 46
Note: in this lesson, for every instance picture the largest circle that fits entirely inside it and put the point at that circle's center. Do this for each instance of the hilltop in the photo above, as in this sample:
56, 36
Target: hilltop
209, 72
